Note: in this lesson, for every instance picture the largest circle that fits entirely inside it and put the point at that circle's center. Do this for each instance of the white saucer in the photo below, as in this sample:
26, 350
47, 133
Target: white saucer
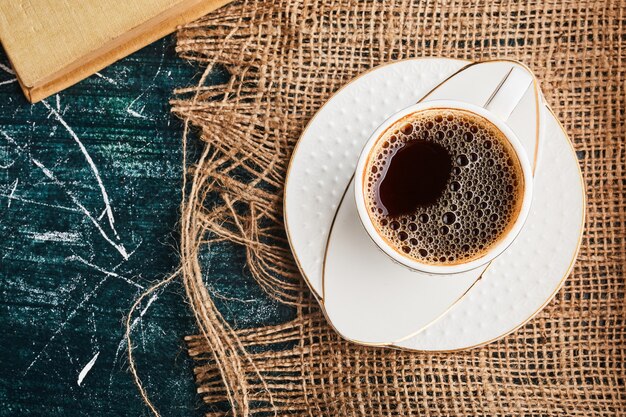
322, 166
369, 298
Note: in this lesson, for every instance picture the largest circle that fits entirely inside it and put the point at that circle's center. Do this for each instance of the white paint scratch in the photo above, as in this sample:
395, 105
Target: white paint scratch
94, 169
11, 81
62, 325
67, 353
13, 188
5, 156
7, 69
7, 166
25, 200
55, 236
136, 321
118, 246
104, 271
69, 317
92, 320
122, 344
129, 109
136, 114
58, 100
83, 373
111, 80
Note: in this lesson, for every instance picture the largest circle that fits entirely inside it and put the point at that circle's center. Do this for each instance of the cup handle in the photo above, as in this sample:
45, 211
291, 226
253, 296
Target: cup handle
509, 93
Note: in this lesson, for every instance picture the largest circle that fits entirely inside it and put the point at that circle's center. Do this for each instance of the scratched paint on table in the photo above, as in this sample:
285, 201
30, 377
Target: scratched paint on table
89, 192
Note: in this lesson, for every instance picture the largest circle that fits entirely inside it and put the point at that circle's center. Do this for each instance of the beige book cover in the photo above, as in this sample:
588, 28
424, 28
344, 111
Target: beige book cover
53, 44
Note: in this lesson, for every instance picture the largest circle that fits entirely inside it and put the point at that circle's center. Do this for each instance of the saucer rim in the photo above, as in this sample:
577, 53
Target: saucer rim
541, 105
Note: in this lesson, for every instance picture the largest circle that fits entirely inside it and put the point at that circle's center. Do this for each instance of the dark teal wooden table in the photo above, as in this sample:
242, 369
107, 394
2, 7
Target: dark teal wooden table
89, 192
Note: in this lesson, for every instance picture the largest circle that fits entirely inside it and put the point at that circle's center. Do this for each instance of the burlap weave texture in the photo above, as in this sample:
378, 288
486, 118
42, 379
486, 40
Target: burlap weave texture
286, 58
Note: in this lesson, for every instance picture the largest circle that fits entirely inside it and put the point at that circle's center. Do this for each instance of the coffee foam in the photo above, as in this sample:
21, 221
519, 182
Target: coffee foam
482, 197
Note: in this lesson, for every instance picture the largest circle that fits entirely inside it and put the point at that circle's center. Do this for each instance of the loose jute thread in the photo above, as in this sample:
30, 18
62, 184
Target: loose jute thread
226, 349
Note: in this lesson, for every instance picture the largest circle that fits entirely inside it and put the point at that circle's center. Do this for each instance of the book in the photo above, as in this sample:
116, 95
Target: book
53, 44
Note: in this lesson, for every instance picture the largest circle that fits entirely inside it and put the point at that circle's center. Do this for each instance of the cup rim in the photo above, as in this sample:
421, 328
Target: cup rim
504, 241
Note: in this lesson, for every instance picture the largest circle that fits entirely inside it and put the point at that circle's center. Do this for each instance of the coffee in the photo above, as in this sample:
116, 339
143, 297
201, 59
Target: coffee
443, 186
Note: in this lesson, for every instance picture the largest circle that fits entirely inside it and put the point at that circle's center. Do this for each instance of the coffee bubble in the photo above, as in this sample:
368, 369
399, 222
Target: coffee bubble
479, 199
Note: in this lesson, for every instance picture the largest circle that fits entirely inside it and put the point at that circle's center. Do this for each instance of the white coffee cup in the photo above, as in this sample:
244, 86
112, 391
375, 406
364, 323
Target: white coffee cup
498, 108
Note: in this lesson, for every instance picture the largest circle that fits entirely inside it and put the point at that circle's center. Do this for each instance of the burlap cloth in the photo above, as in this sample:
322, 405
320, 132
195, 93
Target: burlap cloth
286, 58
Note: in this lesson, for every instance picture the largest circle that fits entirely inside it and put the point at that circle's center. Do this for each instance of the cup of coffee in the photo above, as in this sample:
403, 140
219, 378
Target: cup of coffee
443, 186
